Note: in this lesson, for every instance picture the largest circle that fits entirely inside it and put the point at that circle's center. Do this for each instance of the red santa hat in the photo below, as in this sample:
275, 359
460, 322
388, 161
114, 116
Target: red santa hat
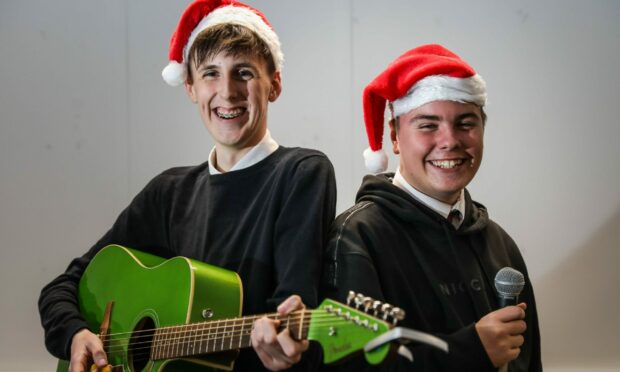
202, 14
424, 74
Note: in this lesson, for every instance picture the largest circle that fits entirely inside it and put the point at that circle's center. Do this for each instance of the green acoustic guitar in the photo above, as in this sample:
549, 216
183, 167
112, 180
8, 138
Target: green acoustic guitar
182, 315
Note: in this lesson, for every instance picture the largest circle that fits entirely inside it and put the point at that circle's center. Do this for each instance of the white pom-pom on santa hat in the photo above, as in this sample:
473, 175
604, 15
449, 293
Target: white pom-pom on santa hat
375, 161
202, 14
424, 74
174, 73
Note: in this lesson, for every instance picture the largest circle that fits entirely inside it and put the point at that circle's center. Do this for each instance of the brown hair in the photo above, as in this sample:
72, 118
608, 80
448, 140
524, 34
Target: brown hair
233, 40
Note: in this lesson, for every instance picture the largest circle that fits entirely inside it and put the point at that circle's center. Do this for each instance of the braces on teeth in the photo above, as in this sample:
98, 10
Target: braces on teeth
230, 115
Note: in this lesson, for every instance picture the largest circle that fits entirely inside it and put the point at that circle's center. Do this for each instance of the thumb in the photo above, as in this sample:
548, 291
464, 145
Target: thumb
99, 358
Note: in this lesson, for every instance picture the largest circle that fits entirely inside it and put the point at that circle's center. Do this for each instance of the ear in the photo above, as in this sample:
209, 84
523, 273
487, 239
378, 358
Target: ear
394, 136
276, 87
191, 92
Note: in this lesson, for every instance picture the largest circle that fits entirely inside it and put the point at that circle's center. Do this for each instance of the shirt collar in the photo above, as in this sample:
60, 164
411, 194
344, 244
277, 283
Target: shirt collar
257, 153
440, 207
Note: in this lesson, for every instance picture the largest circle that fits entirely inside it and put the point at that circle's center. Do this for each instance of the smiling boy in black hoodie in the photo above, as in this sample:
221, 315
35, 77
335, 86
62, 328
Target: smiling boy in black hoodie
416, 239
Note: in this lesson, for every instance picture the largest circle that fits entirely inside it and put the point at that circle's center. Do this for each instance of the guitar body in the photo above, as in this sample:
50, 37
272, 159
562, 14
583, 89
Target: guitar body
150, 292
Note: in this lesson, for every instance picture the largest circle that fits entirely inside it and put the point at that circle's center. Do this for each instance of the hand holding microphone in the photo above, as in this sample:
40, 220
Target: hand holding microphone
501, 331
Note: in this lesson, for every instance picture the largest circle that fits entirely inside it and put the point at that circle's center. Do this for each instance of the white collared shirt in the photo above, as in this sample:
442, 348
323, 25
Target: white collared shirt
260, 151
440, 207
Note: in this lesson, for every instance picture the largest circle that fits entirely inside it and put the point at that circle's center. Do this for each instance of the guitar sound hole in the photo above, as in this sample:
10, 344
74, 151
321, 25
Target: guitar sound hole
140, 344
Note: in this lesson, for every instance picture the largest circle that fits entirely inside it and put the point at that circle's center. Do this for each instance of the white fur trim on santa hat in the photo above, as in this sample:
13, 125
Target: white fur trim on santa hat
174, 73
442, 88
375, 161
244, 17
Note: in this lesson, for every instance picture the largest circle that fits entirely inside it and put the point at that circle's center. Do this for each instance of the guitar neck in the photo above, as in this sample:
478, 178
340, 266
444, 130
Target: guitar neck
220, 335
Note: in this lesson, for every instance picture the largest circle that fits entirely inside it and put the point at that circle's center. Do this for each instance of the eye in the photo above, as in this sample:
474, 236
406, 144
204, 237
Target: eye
426, 126
245, 74
468, 124
209, 74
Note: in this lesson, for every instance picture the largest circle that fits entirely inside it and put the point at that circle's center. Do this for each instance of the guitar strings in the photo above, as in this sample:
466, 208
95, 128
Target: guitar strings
235, 336
316, 315
185, 349
182, 341
179, 351
217, 332
226, 330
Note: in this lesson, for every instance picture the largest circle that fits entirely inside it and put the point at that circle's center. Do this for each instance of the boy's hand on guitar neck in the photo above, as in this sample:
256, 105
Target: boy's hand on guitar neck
86, 347
278, 350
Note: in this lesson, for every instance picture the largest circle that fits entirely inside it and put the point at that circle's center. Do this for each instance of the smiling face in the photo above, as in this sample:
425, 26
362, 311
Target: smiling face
232, 94
440, 146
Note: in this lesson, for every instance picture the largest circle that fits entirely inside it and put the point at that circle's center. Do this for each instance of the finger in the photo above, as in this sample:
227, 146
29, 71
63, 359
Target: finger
277, 365
523, 307
510, 313
292, 303
516, 341
80, 360
272, 356
270, 362
265, 342
513, 354
291, 348
264, 357
275, 351
100, 359
95, 349
516, 327
264, 330
78, 364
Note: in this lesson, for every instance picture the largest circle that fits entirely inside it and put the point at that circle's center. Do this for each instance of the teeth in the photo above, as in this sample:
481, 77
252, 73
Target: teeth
230, 114
447, 164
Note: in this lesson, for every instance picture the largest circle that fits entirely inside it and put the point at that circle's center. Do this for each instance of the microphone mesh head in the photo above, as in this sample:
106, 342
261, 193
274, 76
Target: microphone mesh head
509, 282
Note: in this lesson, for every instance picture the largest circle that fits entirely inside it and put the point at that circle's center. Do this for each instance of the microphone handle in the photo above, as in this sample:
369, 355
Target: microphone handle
503, 302
508, 301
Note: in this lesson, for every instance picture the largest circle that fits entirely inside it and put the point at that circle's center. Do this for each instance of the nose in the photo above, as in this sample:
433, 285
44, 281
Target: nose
448, 138
228, 88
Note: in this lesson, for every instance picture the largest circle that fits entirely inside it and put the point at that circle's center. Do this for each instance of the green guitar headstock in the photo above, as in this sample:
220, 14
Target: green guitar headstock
343, 330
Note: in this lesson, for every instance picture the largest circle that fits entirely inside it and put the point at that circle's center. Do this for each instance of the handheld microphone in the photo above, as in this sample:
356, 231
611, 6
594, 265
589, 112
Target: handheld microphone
509, 283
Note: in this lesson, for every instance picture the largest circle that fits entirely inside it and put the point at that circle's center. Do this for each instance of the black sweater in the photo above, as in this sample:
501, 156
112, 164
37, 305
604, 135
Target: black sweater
267, 222
393, 248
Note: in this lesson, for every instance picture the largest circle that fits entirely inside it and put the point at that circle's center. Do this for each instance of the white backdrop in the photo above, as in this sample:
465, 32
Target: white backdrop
86, 121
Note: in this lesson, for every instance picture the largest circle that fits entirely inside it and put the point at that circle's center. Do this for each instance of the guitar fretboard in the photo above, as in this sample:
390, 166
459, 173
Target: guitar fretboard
219, 335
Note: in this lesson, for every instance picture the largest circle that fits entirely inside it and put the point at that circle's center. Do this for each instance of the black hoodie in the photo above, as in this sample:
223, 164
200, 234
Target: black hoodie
393, 248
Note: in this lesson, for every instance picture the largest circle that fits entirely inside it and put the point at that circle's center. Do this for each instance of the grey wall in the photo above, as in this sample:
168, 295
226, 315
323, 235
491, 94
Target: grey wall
86, 121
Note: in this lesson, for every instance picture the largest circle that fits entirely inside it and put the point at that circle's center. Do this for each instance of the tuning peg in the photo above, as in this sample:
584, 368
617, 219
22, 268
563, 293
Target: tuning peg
359, 300
397, 315
367, 303
385, 309
350, 297
376, 306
